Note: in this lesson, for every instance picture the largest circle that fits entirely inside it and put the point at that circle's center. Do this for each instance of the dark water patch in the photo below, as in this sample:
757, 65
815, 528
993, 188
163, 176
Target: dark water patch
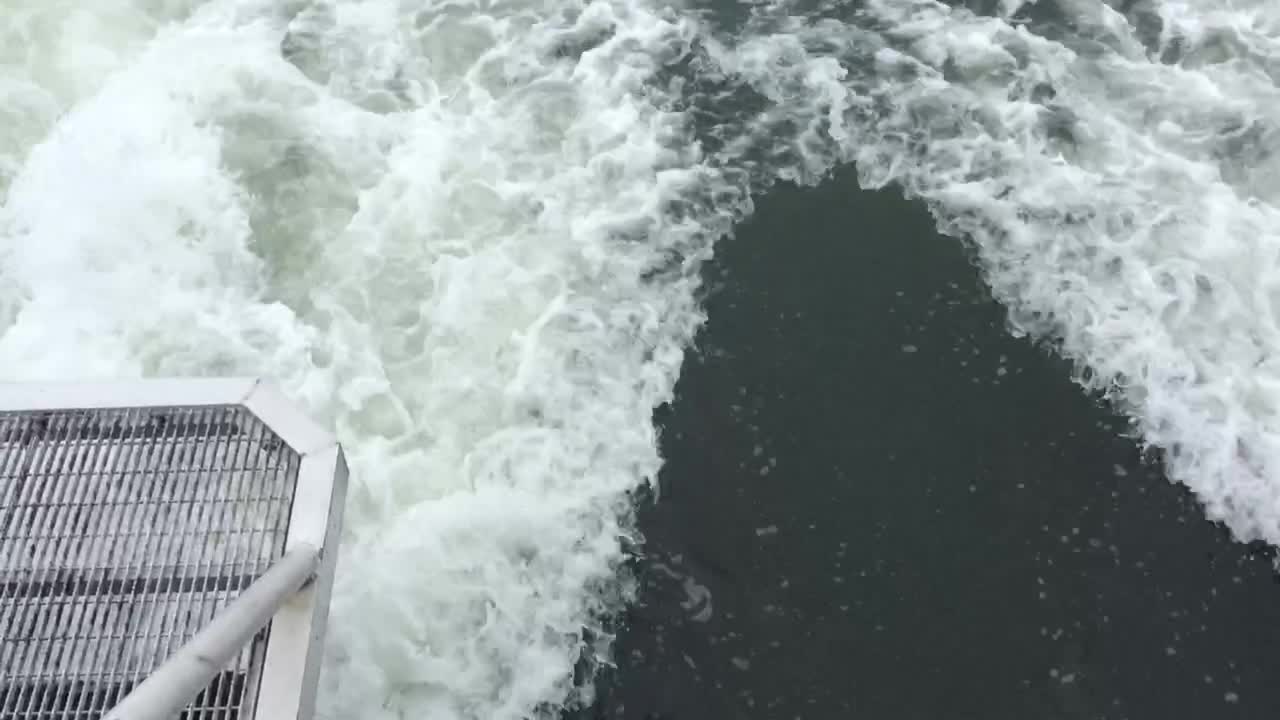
878, 503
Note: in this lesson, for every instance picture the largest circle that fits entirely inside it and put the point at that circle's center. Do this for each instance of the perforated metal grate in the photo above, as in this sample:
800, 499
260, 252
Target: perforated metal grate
122, 532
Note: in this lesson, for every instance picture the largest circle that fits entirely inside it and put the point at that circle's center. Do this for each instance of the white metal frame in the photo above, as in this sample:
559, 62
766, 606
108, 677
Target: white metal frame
291, 667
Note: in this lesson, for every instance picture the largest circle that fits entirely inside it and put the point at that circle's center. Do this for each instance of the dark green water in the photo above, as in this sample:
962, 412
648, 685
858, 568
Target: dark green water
902, 511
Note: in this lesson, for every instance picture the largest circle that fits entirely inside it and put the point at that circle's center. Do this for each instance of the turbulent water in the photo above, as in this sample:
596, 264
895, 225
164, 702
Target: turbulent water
467, 233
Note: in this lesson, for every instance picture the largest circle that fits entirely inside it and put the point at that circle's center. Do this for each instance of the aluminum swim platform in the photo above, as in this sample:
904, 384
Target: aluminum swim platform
167, 550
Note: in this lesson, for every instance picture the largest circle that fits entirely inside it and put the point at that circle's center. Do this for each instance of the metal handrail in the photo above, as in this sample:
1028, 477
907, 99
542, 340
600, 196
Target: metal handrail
175, 683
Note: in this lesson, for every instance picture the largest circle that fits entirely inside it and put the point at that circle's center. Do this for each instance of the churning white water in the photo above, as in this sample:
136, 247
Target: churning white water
441, 226
467, 232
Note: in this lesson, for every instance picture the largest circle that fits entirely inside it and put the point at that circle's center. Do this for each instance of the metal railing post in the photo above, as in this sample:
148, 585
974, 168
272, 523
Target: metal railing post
174, 684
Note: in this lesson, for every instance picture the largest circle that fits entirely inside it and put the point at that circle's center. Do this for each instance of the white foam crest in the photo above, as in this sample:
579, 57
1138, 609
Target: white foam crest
1126, 207
1241, 30
445, 228
56, 52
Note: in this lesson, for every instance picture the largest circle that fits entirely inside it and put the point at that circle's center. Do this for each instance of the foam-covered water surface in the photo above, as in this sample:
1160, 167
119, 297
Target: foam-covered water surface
468, 234
445, 228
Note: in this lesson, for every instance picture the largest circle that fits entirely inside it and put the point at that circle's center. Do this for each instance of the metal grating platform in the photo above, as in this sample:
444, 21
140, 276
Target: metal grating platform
125, 527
